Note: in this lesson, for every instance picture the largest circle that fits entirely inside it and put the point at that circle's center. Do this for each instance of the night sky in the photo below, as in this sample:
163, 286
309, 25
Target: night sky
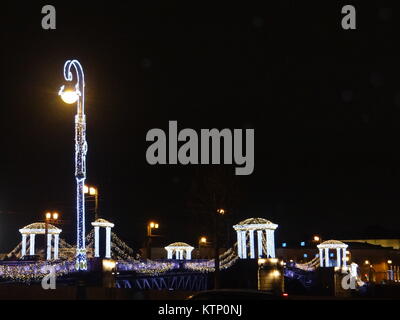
324, 103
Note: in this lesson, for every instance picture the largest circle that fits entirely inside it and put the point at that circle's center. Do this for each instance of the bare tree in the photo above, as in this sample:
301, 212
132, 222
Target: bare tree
215, 188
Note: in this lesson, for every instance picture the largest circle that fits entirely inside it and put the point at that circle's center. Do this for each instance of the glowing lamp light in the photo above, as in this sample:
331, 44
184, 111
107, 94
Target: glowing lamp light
55, 215
156, 225
366, 262
48, 215
203, 240
92, 191
316, 238
152, 224
389, 261
275, 273
68, 96
86, 189
108, 265
261, 261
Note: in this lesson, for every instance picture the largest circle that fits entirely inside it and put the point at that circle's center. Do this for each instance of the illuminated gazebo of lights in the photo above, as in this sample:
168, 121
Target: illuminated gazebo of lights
40, 228
107, 225
265, 238
339, 246
179, 248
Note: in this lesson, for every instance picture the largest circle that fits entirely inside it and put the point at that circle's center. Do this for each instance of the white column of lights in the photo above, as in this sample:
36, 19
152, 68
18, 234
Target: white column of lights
49, 235
338, 261
108, 242
169, 253
189, 254
56, 245
244, 245
97, 241
239, 243
259, 242
321, 258
252, 253
32, 244
270, 243
23, 250
272, 240
327, 257
251, 225
344, 258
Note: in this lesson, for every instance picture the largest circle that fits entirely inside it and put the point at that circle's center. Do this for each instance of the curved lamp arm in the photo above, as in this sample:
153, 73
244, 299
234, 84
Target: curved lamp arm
80, 81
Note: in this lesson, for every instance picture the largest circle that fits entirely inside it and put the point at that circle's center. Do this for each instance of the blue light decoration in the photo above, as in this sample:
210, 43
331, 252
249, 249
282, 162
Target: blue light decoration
302, 243
71, 96
305, 255
284, 245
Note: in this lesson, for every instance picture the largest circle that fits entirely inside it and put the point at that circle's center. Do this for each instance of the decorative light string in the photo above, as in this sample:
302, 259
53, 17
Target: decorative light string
35, 271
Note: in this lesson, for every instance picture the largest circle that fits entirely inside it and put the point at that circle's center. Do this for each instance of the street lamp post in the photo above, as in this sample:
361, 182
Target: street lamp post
71, 96
49, 217
94, 192
202, 241
219, 213
150, 227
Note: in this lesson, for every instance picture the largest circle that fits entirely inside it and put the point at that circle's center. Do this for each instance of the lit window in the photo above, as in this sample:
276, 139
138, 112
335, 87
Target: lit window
284, 245
302, 243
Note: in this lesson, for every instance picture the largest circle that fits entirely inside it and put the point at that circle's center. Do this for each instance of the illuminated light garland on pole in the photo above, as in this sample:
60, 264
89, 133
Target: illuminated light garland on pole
78, 96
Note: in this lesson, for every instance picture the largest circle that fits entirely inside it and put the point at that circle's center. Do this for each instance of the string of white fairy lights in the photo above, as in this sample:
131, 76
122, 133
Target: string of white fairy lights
34, 271
126, 262
308, 266
226, 260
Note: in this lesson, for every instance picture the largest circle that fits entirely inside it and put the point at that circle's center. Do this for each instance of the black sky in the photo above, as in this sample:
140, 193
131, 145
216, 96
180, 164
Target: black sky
324, 103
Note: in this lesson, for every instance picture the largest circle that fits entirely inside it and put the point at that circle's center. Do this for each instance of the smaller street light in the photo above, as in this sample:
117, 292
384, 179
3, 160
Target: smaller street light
49, 217
150, 226
202, 242
93, 192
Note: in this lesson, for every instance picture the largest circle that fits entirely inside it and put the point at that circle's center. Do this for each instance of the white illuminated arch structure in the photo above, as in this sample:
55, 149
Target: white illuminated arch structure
103, 224
324, 249
182, 251
40, 228
251, 228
